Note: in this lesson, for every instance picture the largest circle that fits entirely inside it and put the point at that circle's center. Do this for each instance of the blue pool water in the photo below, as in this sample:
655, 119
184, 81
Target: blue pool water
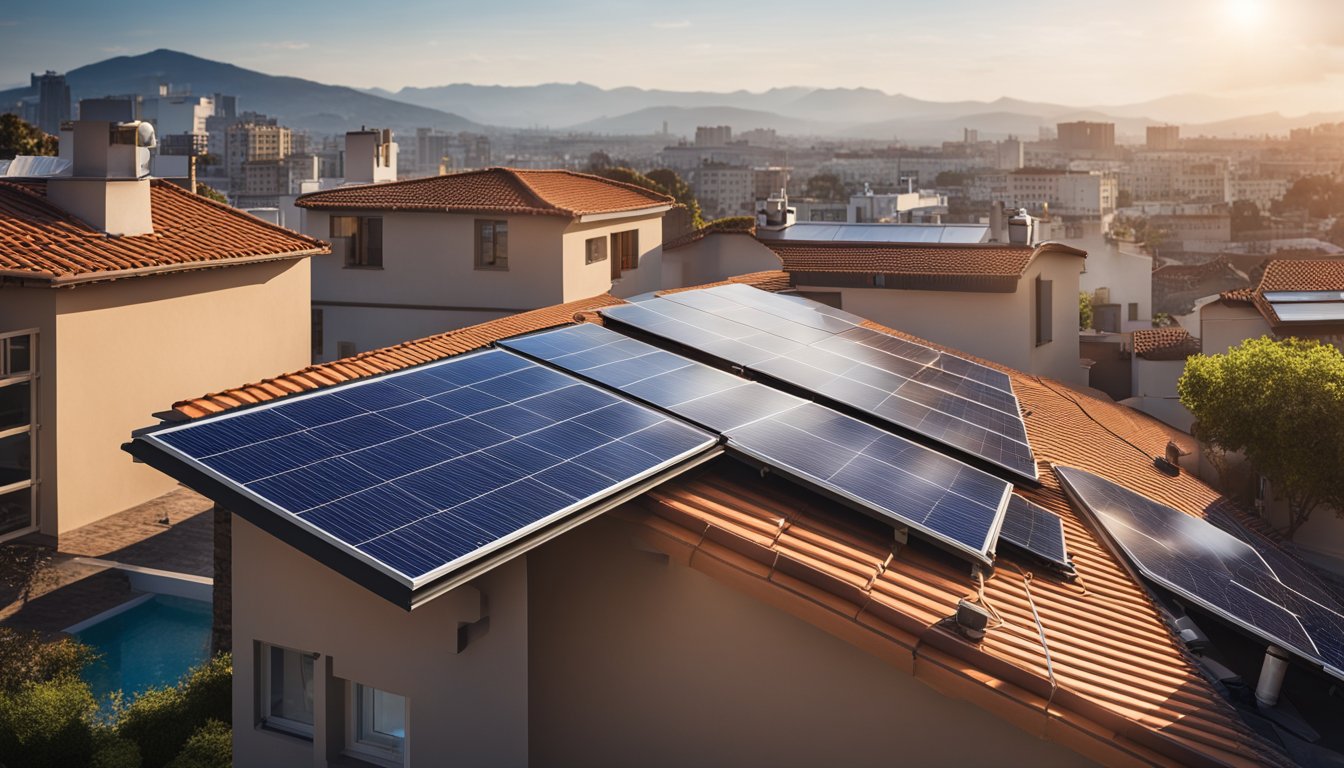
152, 644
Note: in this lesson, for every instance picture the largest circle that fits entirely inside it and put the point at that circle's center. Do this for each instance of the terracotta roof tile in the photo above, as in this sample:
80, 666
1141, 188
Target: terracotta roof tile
941, 260
768, 280
493, 190
41, 242
1172, 343
1288, 275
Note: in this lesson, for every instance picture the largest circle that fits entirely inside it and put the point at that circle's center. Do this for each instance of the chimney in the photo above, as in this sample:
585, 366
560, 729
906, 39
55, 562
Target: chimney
370, 156
108, 185
1022, 228
776, 214
998, 223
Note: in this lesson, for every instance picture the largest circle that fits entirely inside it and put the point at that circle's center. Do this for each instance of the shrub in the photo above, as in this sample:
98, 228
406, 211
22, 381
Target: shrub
25, 658
47, 724
160, 720
114, 752
211, 746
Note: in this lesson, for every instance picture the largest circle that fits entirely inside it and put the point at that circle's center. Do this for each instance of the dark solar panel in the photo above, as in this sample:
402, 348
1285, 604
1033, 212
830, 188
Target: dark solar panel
872, 469
1036, 531
809, 345
1218, 571
420, 471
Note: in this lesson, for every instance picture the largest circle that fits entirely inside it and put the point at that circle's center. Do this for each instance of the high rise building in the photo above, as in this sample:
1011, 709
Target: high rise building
1164, 137
1083, 135
53, 101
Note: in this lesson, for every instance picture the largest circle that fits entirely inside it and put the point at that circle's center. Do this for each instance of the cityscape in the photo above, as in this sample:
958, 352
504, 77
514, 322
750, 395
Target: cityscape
459, 396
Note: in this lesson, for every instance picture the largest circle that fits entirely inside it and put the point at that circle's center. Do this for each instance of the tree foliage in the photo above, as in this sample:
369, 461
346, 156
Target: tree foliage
161, 720
827, 187
20, 138
1281, 404
1084, 310
207, 191
663, 181
1319, 197
1246, 217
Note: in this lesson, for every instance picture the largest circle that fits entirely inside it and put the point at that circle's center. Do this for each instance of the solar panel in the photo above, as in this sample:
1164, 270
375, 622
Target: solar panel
809, 345
1281, 297
873, 470
1036, 531
421, 471
1309, 313
1214, 569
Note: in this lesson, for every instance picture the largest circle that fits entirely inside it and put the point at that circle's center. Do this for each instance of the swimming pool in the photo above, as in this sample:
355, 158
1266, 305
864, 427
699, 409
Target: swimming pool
151, 643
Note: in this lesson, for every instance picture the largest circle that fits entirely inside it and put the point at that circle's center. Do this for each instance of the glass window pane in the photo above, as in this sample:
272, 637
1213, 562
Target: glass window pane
389, 714
291, 685
371, 246
342, 226
18, 355
16, 510
16, 402
501, 243
16, 459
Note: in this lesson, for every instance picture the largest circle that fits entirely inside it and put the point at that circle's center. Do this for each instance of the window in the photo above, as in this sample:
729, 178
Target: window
492, 244
317, 333
362, 237
594, 250
625, 251
286, 689
1133, 310
377, 725
18, 432
1044, 316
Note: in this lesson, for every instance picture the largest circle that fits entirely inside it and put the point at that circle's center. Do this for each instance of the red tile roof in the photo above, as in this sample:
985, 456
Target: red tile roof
493, 190
1289, 275
42, 243
1124, 692
1173, 343
984, 260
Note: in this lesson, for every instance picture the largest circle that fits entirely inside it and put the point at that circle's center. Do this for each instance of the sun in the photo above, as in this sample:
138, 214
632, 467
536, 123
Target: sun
1245, 13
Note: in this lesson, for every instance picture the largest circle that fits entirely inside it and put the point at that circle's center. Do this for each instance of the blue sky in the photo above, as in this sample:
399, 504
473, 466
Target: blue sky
1271, 54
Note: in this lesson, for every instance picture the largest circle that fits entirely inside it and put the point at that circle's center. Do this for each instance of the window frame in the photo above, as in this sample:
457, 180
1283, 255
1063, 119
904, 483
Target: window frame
588, 247
381, 749
621, 260
279, 723
1045, 314
498, 263
31, 376
357, 250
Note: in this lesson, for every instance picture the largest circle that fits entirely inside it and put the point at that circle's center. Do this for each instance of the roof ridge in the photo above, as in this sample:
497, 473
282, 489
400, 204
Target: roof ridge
517, 175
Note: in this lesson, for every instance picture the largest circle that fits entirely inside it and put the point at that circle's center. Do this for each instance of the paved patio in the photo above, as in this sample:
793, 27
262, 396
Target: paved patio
63, 590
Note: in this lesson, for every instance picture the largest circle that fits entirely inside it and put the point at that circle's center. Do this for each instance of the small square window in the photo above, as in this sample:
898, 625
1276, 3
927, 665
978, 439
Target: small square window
286, 690
594, 250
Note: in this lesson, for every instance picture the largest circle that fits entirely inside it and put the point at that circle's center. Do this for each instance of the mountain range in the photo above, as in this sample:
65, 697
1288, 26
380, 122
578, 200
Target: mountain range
860, 113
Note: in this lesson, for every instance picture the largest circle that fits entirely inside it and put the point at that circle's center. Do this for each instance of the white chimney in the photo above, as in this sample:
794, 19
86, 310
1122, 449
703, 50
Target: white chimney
1022, 228
777, 214
108, 185
370, 156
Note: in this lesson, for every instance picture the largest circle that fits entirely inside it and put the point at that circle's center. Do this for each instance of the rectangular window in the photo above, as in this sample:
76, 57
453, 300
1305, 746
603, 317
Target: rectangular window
492, 244
286, 689
1133, 311
377, 725
317, 333
594, 250
18, 432
362, 237
1044, 316
625, 251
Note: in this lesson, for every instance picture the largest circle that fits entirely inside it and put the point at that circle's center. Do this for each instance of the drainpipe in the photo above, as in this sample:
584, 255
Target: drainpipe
1271, 676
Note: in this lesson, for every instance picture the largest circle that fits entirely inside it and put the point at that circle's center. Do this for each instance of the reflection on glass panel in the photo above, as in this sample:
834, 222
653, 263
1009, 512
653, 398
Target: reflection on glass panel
16, 510
291, 685
16, 402
18, 355
389, 714
16, 459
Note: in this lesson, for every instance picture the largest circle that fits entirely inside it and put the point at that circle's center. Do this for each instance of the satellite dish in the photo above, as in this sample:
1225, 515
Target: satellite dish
144, 136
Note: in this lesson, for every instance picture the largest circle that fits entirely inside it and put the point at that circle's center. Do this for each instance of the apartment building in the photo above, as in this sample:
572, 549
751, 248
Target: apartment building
724, 190
1177, 177
1083, 135
1090, 194
421, 256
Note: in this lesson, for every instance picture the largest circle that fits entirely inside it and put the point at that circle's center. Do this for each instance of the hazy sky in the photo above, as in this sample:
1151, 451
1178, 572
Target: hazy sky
1271, 54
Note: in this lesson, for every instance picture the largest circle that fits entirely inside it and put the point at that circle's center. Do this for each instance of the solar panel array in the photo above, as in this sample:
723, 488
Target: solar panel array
873, 469
1307, 306
809, 345
421, 471
1216, 570
1037, 531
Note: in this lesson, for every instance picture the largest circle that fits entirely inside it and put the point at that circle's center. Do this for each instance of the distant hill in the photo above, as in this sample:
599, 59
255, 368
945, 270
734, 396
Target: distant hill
298, 103
683, 121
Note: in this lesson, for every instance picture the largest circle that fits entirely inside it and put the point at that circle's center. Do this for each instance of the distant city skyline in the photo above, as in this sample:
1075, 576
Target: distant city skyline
1285, 55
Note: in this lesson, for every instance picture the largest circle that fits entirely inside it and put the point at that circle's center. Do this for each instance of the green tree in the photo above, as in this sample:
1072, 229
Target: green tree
826, 187
20, 138
1084, 310
1124, 198
205, 190
1319, 196
672, 184
1281, 404
1246, 217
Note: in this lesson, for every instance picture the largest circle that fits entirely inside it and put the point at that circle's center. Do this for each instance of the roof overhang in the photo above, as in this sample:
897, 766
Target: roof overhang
650, 211
60, 281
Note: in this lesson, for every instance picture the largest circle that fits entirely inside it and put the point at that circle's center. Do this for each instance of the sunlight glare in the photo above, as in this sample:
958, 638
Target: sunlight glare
1245, 13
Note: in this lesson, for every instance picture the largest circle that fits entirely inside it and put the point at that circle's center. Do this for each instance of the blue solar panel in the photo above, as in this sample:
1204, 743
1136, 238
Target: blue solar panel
809, 345
1035, 530
872, 469
421, 471
1214, 569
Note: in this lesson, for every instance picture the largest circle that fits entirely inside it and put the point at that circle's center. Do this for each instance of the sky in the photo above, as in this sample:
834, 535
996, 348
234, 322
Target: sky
1285, 55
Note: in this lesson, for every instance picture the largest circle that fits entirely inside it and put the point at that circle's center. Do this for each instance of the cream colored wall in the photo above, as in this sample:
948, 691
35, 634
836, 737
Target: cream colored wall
1223, 327
1058, 359
463, 709
372, 329
583, 280
129, 348
716, 257
634, 661
22, 309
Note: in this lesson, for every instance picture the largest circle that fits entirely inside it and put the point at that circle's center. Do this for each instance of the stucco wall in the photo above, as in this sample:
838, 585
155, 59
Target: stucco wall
1059, 358
716, 257
634, 661
1222, 327
583, 280
466, 708
127, 349
376, 328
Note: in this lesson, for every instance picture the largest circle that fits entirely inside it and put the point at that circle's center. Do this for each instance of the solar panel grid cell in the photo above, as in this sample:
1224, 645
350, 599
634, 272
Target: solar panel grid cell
1035, 530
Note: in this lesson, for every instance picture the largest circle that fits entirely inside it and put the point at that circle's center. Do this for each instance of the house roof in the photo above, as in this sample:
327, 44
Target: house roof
493, 190
1289, 275
737, 225
1123, 690
975, 260
42, 243
1172, 343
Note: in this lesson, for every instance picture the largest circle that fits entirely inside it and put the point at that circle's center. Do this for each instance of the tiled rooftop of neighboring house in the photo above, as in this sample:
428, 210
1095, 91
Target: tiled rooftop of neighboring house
1173, 343
493, 190
42, 243
1124, 690
737, 225
918, 262
1289, 275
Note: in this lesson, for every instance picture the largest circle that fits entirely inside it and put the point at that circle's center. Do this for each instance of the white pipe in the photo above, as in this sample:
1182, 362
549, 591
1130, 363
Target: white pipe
1271, 676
